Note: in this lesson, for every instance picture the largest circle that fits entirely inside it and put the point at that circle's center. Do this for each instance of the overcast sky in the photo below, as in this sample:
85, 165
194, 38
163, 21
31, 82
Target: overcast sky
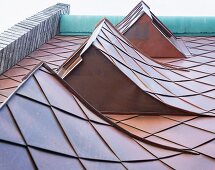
13, 11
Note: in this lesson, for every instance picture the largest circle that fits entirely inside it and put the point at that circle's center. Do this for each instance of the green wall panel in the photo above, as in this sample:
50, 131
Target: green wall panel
82, 24
180, 26
190, 25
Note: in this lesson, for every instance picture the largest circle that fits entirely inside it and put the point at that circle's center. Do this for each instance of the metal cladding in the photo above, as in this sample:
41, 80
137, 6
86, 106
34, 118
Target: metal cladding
151, 115
54, 53
118, 80
126, 81
26, 36
182, 131
149, 35
49, 126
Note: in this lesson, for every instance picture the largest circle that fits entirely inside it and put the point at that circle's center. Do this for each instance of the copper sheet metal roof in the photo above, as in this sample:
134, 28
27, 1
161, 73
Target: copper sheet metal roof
146, 86
150, 35
49, 126
153, 114
54, 53
196, 132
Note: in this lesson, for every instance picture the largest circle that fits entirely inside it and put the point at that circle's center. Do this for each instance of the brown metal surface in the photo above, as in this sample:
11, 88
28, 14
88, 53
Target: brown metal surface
43, 135
45, 124
54, 53
181, 131
149, 40
115, 78
149, 35
95, 79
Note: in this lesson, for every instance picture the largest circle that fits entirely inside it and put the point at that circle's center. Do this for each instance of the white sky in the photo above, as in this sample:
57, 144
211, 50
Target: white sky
13, 11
